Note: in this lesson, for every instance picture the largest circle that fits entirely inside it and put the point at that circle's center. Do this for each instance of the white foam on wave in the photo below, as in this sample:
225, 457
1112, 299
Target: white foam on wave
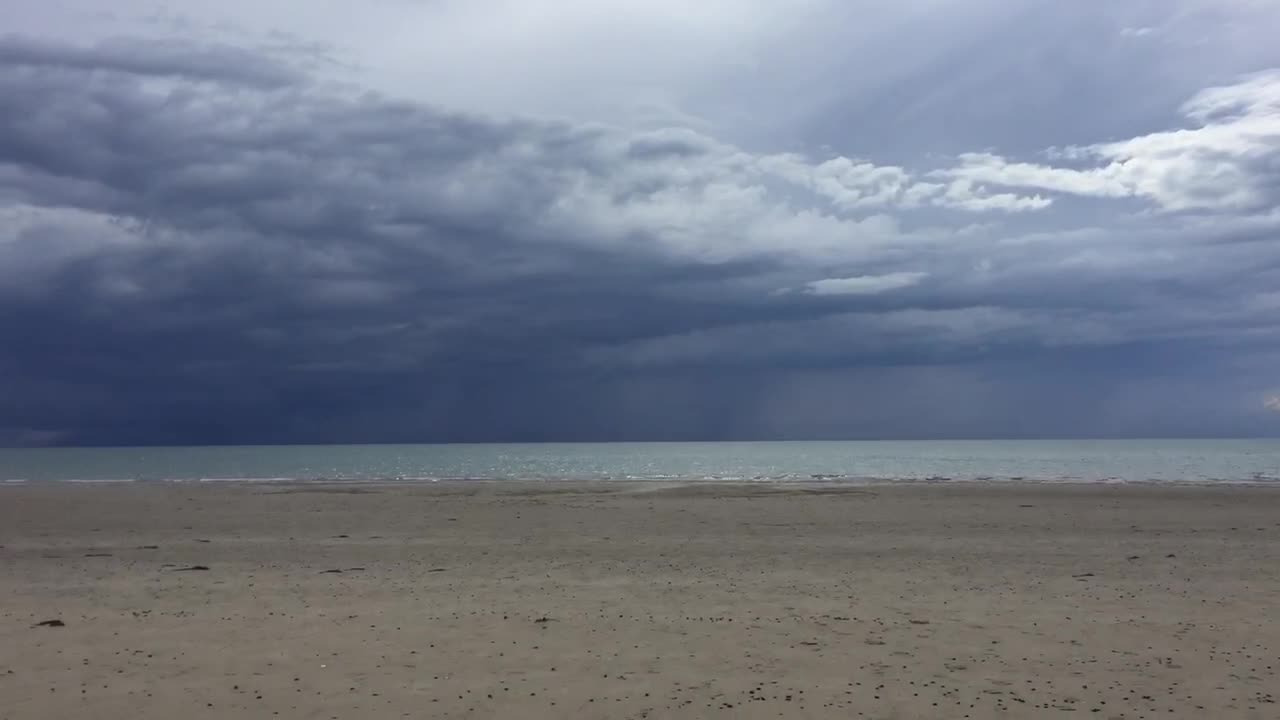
248, 480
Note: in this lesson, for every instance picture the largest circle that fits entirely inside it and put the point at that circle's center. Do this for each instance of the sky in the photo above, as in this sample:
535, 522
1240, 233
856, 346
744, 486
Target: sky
312, 221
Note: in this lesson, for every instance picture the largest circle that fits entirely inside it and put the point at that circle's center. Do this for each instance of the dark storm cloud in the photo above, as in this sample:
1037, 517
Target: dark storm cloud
240, 253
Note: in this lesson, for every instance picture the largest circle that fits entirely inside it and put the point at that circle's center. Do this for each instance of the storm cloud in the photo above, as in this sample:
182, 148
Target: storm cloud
265, 236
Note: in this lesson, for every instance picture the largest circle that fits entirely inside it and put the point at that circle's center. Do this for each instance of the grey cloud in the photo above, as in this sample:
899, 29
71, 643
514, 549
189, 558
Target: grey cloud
669, 143
254, 161
139, 56
225, 260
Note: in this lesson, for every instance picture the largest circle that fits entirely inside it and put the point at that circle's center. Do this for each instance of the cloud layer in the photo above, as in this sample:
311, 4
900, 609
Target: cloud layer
214, 239
1226, 159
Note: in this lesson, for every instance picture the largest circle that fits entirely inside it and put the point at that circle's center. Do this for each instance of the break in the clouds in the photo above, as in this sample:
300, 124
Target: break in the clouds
864, 284
281, 221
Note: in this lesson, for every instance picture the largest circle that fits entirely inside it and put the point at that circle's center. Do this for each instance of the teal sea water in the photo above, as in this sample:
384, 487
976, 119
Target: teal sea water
1256, 461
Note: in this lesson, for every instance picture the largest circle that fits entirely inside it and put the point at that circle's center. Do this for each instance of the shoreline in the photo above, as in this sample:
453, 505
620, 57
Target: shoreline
823, 480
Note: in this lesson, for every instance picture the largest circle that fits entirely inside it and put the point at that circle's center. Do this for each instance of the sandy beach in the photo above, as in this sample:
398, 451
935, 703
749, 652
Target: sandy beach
638, 601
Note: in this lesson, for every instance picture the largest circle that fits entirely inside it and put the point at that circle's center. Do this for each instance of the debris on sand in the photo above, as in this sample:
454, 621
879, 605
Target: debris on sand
50, 623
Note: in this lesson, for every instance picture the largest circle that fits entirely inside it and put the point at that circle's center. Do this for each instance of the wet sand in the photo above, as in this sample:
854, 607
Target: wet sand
638, 601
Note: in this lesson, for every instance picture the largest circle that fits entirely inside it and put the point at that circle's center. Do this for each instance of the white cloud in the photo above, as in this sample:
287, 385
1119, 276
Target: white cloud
865, 284
963, 194
1136, 32
996, 170
1228, 161
848, 184
1272, 403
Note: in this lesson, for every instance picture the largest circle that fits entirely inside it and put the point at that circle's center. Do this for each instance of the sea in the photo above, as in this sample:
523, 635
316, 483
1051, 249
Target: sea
1255, 461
